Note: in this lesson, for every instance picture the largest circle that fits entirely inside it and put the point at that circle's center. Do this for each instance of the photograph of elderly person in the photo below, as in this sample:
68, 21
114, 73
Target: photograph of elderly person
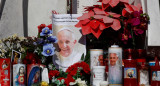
67, 55
34, 76
20, 77
115, 70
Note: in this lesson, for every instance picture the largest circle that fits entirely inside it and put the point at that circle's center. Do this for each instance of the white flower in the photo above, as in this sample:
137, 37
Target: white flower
79, 82
14, 36
3, 50
21, 38
22, 49
1, 46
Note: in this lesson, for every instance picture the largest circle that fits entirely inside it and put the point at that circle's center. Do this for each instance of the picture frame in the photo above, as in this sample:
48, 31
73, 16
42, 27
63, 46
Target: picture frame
15, 56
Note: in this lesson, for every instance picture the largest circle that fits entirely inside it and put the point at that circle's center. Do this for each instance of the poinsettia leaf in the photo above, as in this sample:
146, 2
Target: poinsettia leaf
128, 8
94, 24
105, 1
102, 26
99, 11
105, 6
107, 19
113, 3
86, 15
124, 12
135, 8
98, 16
79, 24
83, 22
125, 1
116, 25
96, 33
139, 6
86, 29
114, 14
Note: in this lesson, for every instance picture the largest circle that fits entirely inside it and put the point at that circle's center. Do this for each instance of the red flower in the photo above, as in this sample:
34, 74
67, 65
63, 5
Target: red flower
72, 70
130, 9
97, 20
68, 80
112, 3
40, 27
50, 26
53, 73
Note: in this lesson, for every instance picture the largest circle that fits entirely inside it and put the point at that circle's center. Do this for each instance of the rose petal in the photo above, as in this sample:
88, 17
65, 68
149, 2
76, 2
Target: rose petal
116, 25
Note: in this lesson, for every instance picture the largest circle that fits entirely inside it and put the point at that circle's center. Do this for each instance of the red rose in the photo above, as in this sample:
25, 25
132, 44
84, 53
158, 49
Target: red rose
50, 26
53, 73
68, 80
40, 27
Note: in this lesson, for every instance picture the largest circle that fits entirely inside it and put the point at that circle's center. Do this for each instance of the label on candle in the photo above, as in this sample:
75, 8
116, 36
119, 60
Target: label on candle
34, 74
95, 57
19, 75
130, 73
5, 71
98, 75
144, 77
156, 76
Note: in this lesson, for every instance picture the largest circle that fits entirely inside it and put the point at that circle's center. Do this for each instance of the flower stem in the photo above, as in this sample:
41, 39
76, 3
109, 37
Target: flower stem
133, 39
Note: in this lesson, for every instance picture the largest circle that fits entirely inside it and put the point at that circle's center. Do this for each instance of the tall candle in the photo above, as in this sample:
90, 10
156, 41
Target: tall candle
115, 65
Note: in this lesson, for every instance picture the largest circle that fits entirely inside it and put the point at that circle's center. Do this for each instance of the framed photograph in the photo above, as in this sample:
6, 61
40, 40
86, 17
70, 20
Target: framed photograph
15, 56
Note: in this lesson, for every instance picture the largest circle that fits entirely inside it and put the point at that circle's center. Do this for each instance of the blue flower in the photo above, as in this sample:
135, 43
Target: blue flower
52, 39
48, 50
40, 41
45, 31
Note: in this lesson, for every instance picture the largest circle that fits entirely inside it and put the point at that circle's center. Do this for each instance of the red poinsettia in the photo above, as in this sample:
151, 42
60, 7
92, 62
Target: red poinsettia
129, 9
96, 20
112, 3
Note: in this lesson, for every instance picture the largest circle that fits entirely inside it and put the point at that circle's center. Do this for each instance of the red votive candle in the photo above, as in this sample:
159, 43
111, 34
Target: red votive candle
155, 74
130, 71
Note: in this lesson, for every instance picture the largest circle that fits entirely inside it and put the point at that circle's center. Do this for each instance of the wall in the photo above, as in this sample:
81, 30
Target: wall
23, 19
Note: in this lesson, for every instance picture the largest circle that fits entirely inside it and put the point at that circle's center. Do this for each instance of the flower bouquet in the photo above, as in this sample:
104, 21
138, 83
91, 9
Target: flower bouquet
115, 21
76, 74
11, 43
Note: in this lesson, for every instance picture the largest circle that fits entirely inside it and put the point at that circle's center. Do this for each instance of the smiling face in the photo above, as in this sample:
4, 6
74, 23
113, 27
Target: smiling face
66, 42
113, 58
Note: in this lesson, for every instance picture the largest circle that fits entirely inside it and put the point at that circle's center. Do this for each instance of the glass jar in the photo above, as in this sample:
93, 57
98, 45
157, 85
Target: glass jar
130, 71
142, 72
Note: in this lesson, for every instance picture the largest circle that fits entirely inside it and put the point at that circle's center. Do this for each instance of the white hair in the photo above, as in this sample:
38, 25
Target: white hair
69, 29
